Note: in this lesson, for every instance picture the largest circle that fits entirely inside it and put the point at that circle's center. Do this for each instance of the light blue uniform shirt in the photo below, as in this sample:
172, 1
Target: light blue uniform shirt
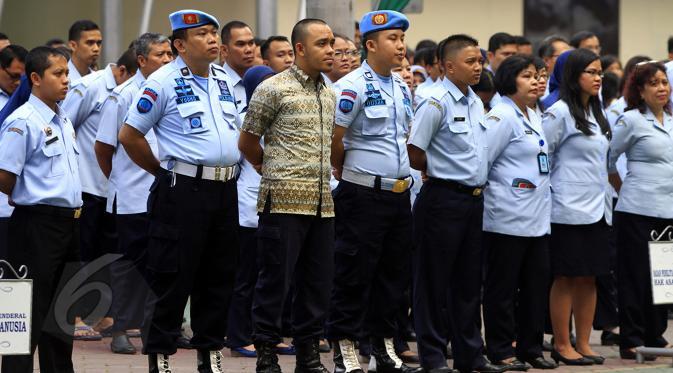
514, 143
73, 74
421, 92
449, 127
128, 184
39, 147
83, 106
579, 177
613, 113
248, 190
191, 125
648, 186
377, 114
5, 208
239, 89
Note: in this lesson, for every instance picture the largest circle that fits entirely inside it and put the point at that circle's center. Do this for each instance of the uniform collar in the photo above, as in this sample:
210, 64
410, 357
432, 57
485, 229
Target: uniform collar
667, 124
530, 112
326, 79
138, 79
3, 93
456, 93
43, 110
185, 72
72, 67
305, 80
109, 77
233, 75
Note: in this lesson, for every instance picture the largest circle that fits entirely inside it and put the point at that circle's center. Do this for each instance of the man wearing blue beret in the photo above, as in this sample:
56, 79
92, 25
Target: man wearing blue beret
192, 204
372, 202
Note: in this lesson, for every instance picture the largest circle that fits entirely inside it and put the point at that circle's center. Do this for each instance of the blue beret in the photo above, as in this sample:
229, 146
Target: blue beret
188, 18
383, 20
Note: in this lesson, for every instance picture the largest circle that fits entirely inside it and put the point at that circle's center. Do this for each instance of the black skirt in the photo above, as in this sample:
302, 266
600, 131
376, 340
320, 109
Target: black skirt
580, 250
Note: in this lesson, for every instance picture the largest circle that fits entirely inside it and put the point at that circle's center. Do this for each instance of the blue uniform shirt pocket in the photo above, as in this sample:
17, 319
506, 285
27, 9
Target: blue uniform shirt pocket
376, 120
54, 152
459, 140
193, 120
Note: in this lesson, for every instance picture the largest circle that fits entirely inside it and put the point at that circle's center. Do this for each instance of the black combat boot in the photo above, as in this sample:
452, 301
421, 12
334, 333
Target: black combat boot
158, 363
267, 360
308, 358
385, 360
209, 361
345, 358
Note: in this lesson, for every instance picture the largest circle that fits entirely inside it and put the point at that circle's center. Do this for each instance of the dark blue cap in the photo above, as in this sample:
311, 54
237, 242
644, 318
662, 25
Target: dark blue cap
383, 20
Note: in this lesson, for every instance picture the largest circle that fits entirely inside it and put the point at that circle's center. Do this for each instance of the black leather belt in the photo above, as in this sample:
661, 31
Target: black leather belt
474, 191
65, 212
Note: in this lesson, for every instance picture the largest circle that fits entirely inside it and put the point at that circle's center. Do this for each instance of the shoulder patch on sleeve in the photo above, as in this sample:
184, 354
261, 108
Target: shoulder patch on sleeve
620, 122
78, 90
15, 130
349, 93
346, 105
549, 114
493, 117
435, 104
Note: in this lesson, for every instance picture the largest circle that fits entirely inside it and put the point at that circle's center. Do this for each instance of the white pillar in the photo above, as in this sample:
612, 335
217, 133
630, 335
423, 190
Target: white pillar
112, 30
267, 24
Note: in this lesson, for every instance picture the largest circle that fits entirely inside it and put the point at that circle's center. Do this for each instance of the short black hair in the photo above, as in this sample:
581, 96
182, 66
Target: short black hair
425, 56
425, 43
53, 41
455, 43
258, 41
609, 88
499, 39
129, 60
608, 60
177, 34
670, 44
357, 25
300, 29
264, 48
522, 40
546, 48
80, 26
10, 53
509, 69
579, 37
226, 30
486, 82
3, 36
37, 60
539, 63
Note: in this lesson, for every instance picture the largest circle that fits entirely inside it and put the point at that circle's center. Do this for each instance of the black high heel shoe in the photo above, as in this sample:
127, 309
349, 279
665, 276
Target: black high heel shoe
556, 356
596, 359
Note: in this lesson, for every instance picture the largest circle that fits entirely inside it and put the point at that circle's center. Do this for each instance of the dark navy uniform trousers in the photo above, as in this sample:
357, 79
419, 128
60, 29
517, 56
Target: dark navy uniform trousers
192, 252
447, 236
372, 253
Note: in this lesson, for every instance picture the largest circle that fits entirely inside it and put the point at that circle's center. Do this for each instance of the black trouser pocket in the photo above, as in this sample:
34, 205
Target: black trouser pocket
162, 249
268, 239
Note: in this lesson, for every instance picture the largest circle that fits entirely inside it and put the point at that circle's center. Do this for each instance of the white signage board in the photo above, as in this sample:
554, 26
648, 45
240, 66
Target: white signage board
15, 313
661, 267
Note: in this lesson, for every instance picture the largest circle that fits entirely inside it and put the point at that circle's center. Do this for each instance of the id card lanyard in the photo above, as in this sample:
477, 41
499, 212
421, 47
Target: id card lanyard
542, 160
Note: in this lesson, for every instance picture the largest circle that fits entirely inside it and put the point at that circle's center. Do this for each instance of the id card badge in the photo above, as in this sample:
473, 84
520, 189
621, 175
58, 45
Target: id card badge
543, 163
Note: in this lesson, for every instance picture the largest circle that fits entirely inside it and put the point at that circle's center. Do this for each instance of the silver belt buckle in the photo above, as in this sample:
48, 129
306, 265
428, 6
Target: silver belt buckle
218, 172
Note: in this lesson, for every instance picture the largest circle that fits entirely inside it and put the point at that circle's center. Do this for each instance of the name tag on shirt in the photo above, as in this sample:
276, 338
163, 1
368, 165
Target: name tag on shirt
458, 119
543, 163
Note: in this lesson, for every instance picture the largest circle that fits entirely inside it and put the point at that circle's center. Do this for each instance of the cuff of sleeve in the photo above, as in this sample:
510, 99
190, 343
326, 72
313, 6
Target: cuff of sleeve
139, 126
11, 168
252, 131
422, 147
